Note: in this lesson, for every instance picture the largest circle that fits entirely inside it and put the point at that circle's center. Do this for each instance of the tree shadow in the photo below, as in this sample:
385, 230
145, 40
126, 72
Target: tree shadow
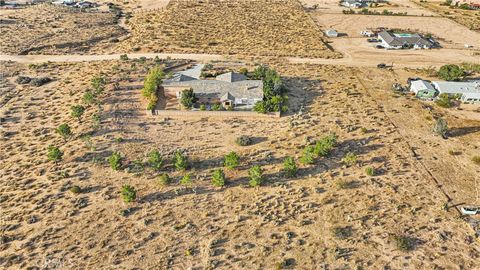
457, 132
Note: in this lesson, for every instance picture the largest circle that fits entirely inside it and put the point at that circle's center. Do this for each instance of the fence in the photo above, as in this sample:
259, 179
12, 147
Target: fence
229, 114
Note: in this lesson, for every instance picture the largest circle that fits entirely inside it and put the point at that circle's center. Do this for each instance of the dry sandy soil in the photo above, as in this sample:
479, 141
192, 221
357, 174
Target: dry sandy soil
468, 18
52, 30
253, 27
289, 220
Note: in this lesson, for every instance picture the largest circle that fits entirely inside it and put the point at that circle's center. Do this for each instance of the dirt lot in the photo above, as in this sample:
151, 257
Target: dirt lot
286, 221
468, 18
253, 27
54, 30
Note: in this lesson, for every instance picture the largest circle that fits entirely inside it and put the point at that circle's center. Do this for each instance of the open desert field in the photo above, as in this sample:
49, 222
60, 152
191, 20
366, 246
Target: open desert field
253, 27
468, 18
51, 29
331, 215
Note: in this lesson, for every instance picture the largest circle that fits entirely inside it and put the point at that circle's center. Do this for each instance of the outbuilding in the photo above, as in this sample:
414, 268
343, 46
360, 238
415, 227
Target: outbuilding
422, 89
331, 33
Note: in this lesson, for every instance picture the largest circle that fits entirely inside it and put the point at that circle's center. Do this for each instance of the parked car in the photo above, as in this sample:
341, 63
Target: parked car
381, 65
372, 40
379, 46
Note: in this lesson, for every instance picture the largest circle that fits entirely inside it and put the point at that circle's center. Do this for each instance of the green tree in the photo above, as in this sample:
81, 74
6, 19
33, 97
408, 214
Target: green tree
218, 178
129, 194
444, 101
115, 161
188, 98
440, 127
54, 154
77, 111
155, 160
256, 176
64, 130
150, 86
290, 167
231, 161
180, 161
451, 72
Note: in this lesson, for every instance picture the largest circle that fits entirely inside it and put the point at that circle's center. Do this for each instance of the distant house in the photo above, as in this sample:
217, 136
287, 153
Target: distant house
228, 89
331, 33
353, 3
391, 40
422, 89
470, 3
468, 92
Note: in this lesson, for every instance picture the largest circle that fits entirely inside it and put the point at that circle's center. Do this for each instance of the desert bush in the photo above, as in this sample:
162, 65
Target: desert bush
89, 97
451, 72
350, 159
203, 107
342, 184
243, 140
324, 146
40, 81
290, 167
96, 120
124, 57
129, 194
23, 80
155, 160
180, 161
75, 189
98, 84
218, 178
115, 161
274, 98
77, 111
164, 179
186, 180
440, 127
152, 81
188, 98
308, 156
256, 176
231, 160
476, 160
342, 232
404, 243
54, 154
370, 171
243, 71
444, 101
64, 130
216, 107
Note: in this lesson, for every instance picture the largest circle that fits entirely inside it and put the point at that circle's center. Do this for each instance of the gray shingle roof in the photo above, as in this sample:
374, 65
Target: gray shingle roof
396, 40
231, 77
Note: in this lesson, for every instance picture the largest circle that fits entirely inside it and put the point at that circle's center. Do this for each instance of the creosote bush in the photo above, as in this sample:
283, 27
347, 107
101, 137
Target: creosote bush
186, 180
342, 232
324, 146
115, 161
155, 160
64, 130
476, 160
231, 160
77, 111
164, 180
370, 171
129, 194
290, 167
440, 127
243, 140
75, 189
218, 178
54, 154
404, 243
256, 176
180, 161
350, 159
308, 156
89, 97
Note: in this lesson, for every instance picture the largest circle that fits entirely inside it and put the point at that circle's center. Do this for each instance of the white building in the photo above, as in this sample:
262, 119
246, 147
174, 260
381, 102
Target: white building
469, 92
353, 3
331, 33
422, 89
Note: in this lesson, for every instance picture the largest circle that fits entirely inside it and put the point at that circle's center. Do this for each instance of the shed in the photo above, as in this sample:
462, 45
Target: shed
331, 33
422, 89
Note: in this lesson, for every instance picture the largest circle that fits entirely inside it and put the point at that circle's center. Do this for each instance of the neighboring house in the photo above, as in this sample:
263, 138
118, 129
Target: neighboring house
422, 89
392, 40
469, 92
229, 89
470, 3
331, 33
353, 3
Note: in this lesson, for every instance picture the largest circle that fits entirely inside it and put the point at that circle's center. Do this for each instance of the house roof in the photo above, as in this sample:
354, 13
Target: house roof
231, 77
458, 87
393, 39
420, 85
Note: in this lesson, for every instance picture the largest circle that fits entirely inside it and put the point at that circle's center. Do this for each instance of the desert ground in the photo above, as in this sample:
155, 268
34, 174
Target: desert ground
468, 18
332, 215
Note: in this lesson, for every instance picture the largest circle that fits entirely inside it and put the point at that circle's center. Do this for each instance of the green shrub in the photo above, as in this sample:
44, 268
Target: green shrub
115, 161
256, 176
164, 180
231, 161
124, 57
89, 97
444, 101
350, 159
128, 193
243, 140
451, 72
342, 232
476, 160
440, 127
342, 184
180, 161
404, 243
64, 131
218, 178
324, 146
150, 86
188, 98
216, 107
75, 189
155, 160
186, 180
203, 107
370, 171
77, 111
290, 167
308, 156
96, 120
54, 154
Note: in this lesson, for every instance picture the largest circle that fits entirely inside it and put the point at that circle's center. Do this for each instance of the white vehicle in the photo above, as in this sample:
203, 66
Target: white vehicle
470, 210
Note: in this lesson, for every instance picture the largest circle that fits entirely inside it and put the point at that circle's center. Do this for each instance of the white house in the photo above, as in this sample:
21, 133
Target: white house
392, 40
422, 89
469, 92
353, 3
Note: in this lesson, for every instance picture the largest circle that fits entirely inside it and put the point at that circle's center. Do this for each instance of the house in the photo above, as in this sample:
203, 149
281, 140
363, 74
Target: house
229, 89
353, 3
331, 33
422, 89
391, 40
470, 3
468, 92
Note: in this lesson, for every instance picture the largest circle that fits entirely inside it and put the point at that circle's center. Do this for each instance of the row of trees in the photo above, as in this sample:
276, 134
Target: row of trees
274, 91
150, 86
